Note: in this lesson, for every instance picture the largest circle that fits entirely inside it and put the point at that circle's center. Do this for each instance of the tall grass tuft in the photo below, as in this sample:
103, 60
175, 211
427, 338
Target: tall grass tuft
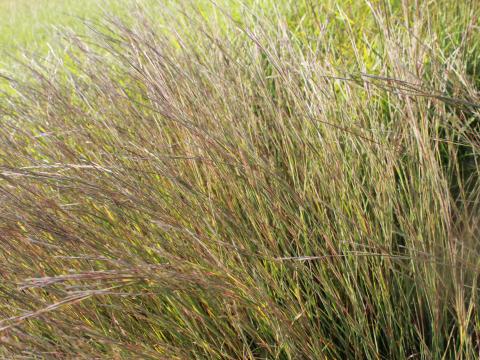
261, 182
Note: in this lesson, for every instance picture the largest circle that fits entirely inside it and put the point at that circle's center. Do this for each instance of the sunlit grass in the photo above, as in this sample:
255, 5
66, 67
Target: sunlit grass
287, 181
31, 23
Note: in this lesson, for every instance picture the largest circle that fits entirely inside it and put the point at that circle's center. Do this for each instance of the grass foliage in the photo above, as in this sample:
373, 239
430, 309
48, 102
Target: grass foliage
27, 23
284, 181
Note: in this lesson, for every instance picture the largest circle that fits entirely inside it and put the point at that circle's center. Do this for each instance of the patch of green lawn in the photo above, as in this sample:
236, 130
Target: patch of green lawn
30, 24
36, 25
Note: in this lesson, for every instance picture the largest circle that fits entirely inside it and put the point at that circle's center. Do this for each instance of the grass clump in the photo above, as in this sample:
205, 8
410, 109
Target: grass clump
251, 186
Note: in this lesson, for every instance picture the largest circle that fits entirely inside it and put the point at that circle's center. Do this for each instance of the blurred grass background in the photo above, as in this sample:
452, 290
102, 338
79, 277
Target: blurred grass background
31, 24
